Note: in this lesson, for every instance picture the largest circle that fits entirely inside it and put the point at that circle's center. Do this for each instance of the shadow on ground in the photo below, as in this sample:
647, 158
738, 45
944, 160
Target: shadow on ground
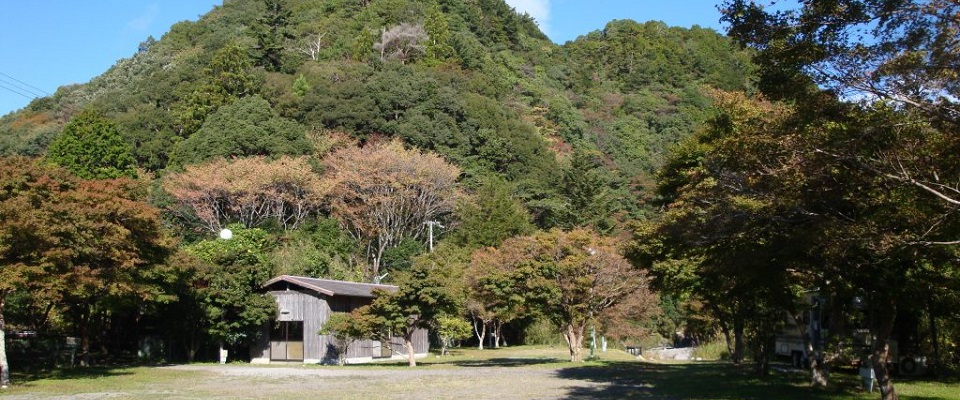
620, 380
504, 362
26, 377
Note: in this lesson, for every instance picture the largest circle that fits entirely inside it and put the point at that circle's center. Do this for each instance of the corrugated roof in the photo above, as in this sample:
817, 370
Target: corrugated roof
331, 287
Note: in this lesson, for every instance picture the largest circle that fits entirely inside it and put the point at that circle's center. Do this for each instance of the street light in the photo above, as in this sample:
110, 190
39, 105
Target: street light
225, 234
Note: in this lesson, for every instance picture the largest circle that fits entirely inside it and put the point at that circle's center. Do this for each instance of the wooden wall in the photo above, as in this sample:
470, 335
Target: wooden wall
314, 309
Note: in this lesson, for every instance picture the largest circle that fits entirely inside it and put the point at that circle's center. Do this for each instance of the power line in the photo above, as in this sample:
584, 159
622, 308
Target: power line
15, 91
44, 92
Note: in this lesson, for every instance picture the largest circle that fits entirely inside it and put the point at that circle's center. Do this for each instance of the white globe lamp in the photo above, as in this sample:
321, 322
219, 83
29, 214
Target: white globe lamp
226, 234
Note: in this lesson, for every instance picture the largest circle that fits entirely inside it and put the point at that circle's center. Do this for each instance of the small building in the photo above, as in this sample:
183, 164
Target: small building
304, 305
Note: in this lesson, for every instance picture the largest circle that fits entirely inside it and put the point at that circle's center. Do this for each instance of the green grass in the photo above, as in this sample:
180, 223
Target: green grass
506, 371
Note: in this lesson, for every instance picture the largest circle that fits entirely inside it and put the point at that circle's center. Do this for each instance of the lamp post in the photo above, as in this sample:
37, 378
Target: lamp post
225, 234
430, 225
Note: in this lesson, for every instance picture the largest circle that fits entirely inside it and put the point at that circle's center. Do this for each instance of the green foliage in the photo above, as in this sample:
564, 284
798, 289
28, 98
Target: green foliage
227, 78
491, 215
345, 329
450, 329
300, 86
234, 310
92, 148
248, 127
271, 31
439, 49
319, 249
425, 292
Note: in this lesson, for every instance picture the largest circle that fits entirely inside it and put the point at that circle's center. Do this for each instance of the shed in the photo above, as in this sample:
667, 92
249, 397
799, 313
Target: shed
304, 305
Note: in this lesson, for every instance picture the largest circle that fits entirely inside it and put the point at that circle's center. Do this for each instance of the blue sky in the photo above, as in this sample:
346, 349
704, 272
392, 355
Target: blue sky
45, 44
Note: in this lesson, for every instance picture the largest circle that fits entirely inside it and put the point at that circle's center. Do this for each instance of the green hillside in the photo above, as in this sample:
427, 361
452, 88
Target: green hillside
471, 80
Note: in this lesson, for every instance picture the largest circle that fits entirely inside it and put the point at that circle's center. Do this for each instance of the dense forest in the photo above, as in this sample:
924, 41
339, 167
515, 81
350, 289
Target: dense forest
700, 182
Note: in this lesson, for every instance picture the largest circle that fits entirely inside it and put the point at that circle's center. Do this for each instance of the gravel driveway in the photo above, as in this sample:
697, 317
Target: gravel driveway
424, 382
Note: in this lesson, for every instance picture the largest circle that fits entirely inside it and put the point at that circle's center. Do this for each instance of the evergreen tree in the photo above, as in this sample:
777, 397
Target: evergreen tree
91, 147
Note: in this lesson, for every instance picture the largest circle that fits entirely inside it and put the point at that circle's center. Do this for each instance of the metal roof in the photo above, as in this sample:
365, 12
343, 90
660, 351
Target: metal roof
331, 287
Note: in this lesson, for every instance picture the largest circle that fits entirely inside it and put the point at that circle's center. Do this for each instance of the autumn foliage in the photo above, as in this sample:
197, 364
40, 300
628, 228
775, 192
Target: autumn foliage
250, 191
384, 193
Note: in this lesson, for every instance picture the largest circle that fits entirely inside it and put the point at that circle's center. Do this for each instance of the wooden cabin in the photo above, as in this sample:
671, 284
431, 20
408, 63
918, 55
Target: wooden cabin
304, 305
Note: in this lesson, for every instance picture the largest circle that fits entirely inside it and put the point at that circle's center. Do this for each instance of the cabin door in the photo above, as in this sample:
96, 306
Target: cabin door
286, 341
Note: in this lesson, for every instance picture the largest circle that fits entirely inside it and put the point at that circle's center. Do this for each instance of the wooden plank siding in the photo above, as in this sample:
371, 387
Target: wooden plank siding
314, 308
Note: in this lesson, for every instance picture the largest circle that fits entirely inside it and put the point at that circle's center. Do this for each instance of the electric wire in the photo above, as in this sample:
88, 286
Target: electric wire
35, 90
2, 86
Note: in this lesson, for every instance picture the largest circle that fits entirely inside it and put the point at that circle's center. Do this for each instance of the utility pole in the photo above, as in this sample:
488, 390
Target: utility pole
430, 225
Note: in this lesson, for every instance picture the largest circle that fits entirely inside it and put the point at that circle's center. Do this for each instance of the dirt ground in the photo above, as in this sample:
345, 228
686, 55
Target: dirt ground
425, 382
503, 378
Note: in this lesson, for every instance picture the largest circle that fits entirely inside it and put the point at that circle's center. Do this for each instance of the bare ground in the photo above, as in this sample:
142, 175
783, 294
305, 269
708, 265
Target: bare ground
516, 375
425, 382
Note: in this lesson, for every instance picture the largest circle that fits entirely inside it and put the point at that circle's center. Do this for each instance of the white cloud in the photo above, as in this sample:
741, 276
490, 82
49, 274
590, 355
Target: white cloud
538, 9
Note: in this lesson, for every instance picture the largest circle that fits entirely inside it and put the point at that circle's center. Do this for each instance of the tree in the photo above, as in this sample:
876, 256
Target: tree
227, 78
449, 329
247, 127
402, 42
425, 292
439, 47
83, 243
272, 32
383, 194
491, 214
92, 148
250, 191
234, 309
314, 43
571, 277
896, 58
345, 329
24, 184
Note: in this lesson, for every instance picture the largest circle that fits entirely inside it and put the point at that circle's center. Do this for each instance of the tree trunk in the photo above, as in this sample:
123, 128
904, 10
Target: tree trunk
85, 336
408, 343
881, 351
574, 337
482, 332
495, 334
818, 377
4, 366
738, 344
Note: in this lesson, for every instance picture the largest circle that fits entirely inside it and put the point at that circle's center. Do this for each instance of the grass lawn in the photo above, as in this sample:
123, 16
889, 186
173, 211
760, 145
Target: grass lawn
514, 372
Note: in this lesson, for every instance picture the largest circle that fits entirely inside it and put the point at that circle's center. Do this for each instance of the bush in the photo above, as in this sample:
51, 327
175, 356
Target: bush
543, 332
713, 350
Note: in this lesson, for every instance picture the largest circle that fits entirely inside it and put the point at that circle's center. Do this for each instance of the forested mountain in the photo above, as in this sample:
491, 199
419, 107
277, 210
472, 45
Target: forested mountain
332, 137
469, 79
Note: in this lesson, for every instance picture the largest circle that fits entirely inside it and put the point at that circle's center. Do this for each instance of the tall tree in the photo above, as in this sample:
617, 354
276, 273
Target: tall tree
228, 77
246, 127
899, 57
84, 243
91, 147
250, 191
25, 187
383, 194
234, 309
272, 33
491, 214
573, 278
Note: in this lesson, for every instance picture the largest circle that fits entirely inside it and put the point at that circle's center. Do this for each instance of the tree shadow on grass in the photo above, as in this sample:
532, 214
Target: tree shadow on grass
504, 362
626, 379
26, 377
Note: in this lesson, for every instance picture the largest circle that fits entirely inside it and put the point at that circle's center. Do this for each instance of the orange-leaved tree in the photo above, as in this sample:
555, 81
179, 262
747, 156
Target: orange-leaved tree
384, 193
575, 278
249, 191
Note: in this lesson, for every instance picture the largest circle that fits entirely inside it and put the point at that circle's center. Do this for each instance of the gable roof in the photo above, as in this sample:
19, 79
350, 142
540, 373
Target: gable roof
331, 287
